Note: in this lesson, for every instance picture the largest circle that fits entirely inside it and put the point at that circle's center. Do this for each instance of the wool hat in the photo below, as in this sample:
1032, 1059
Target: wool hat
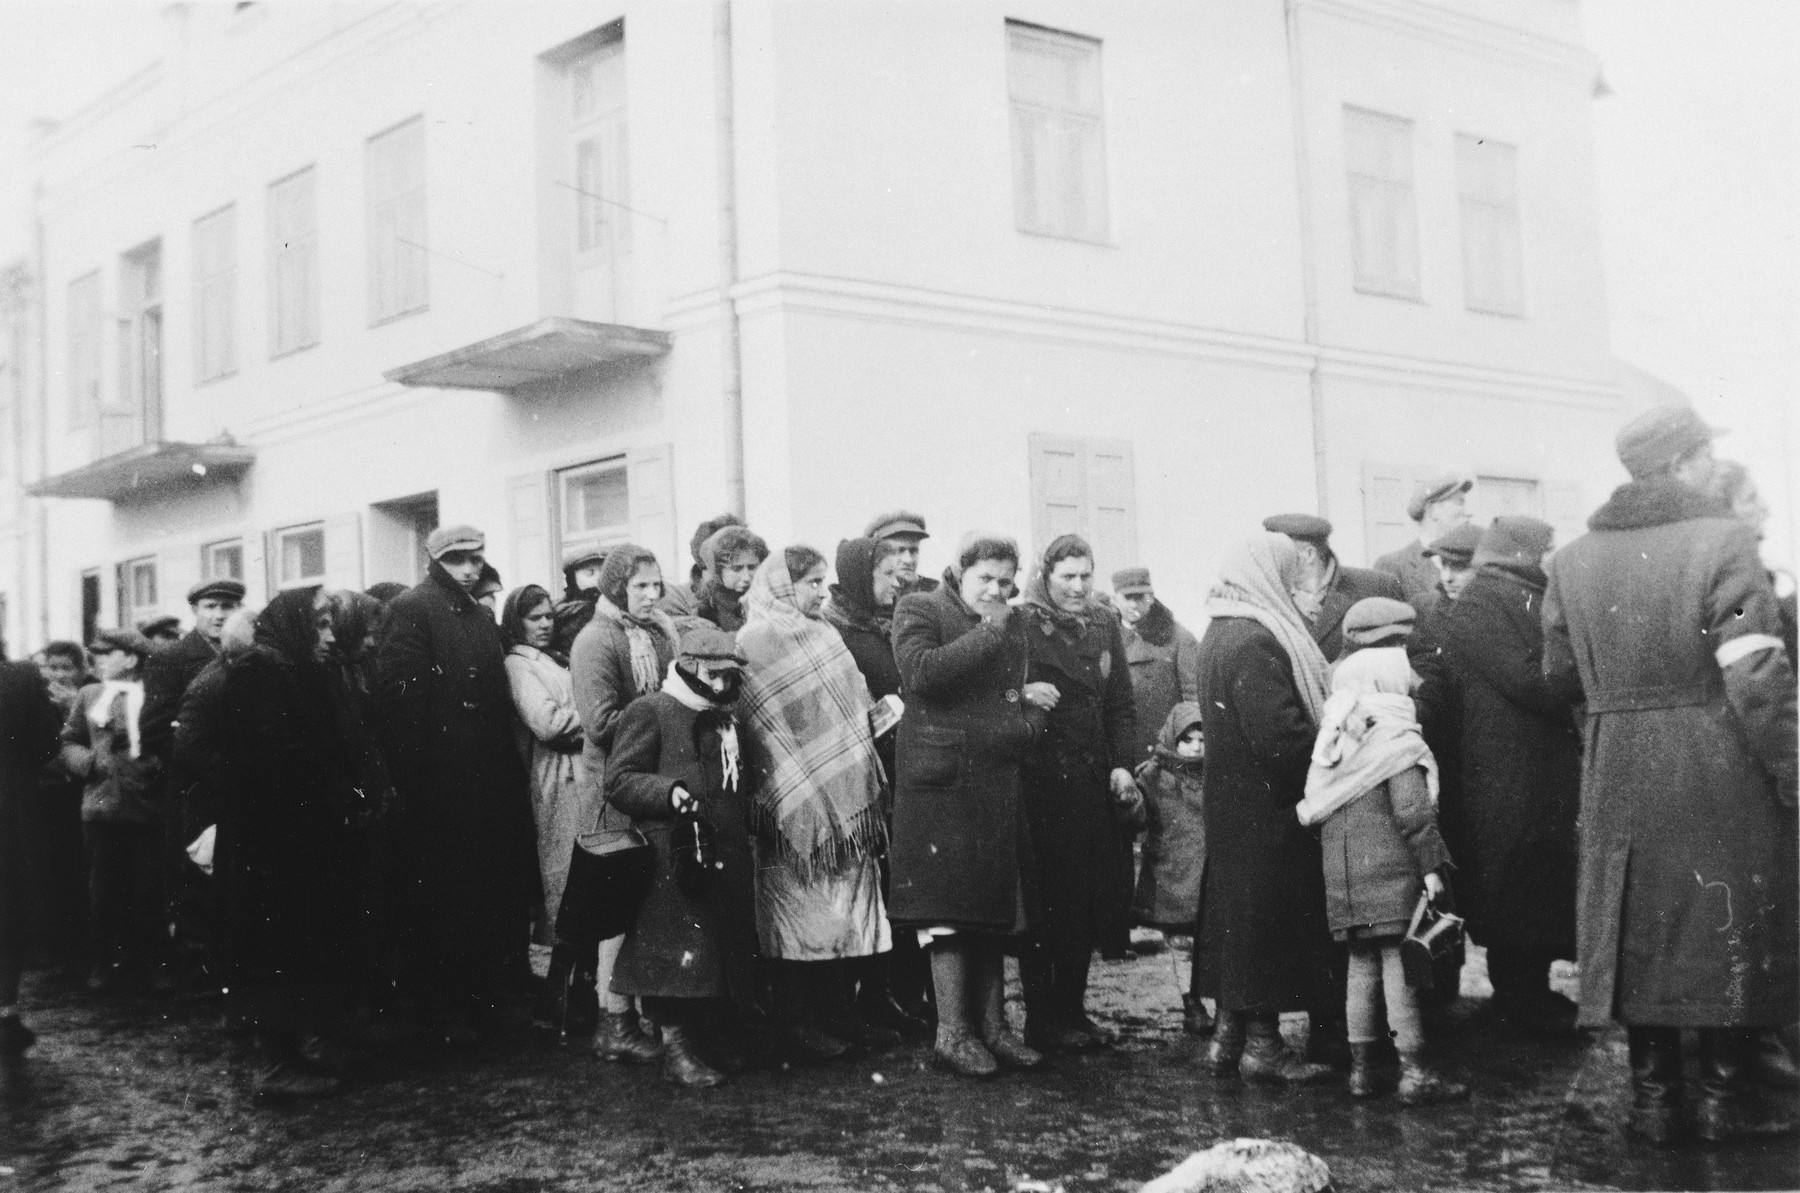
1374, 619
1516, 539
1434, 488
576, 558
898, 524
1130, 580
707, 643
1308, 527
153, 627
1655, 439
123, 638
223, 589
1456, 546
446, 539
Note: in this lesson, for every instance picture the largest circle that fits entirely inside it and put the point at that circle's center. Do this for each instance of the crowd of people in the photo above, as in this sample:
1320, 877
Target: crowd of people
351, 813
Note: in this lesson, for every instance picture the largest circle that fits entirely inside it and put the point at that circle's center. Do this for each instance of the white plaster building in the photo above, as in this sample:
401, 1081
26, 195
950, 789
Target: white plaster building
325, 275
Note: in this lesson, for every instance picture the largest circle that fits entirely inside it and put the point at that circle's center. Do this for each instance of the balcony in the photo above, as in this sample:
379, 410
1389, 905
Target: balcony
149, 471
531, 355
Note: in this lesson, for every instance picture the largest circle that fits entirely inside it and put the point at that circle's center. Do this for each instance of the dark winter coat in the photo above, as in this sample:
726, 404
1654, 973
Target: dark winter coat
1076, 835
689, 941
601, 676
167, 674
1263, 941
1164, 658
1348, 586
197, 764
1519, 768
1687, 899
1174, 859
960, 852
117, 788
867, 631
1416, 574
1377, 850
28, 738
1439, 702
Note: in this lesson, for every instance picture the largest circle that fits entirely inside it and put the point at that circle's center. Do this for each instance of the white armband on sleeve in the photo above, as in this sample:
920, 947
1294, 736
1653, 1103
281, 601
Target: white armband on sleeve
1744, 646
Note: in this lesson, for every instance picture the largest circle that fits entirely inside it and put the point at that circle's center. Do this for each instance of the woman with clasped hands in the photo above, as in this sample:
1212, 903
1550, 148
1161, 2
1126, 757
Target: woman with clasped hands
962, 872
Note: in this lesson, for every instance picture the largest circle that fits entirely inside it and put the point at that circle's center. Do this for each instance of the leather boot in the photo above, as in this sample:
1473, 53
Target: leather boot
1655, 1083
1267, 1058
1222, 1055
1730, 1105
283, 1075
1419, 1086
619, 1038
681, 1062
1369, 1076
1194, 1019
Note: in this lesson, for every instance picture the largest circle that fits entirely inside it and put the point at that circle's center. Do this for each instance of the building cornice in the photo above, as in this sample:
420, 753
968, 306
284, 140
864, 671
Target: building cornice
1467, 34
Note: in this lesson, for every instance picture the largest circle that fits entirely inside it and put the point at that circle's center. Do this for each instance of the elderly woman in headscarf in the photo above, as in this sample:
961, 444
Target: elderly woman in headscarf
1515, 840
619, 656
550, 741
1263, 945
1079, 793
285, 829
817, 794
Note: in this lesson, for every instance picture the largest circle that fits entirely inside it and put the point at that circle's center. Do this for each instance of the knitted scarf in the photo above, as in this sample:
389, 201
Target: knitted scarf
1256, 581
1369, 733
684, 693
100, 712
646, 668
818, 791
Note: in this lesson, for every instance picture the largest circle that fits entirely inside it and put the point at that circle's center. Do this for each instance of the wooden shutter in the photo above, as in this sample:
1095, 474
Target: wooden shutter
1058, 487
343, 551
650, 486
1386, 526
528, 518
177, 570
1112, 505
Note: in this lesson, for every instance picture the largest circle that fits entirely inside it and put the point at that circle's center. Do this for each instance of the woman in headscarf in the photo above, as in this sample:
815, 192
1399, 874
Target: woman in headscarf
817, 794
1079, 790
1263, 945
731, 556
622, 654
550, 740
285, 829
1515, 842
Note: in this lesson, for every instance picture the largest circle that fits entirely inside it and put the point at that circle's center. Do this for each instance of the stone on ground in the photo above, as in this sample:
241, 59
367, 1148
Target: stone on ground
1246, 1166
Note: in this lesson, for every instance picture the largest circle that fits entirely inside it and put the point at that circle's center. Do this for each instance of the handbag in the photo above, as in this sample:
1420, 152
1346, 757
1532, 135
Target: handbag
1433, 937
609, 875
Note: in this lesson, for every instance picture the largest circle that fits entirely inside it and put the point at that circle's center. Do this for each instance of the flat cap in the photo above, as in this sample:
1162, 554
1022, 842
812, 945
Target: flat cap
221, 590
1434, 488
1375, 619
1131, 580
446, 539
1310, 527
1456, 546
707, 643
152, 627
1515, 538
1659, 436
898, 524
576, 558
123, 638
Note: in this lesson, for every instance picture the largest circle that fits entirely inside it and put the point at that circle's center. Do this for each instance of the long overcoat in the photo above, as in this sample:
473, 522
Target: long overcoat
601, 675
1164, 658
28, 737
1687, 896
696, 940
960, 853
1263, 942
1174, 859
1519, 772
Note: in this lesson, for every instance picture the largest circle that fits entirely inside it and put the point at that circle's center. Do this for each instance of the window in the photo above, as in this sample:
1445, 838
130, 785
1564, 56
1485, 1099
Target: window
396, 194
1059, 143
215, 287
599, 166
138, 416
1505, 496
1086, 487
1383, 226
594, 504
1487, 185
223, 561
84, 349
293, 264
137, 591
300, 556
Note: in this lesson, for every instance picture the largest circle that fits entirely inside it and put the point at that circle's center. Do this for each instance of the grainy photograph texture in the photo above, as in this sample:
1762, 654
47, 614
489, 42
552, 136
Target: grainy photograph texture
1045, 596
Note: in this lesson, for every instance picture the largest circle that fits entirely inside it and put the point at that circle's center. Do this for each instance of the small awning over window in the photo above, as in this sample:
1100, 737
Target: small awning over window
542, 351
149, 471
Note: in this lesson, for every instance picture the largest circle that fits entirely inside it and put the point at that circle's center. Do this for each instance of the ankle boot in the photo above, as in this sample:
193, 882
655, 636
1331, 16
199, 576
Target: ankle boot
1730, 1105
619, 1038
1419, 1086
1194, 1019
1369, 1076
1227, 1047
681, 1062
283, 1075
1267, 1058
1655, 1083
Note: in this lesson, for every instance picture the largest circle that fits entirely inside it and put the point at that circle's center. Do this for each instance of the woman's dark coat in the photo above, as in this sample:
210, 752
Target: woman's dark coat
1377, 850
600, 674
1687, 903
1519, 772
1076, 836
687, 943
867, 631
960, 852
1263, 943
1174, 861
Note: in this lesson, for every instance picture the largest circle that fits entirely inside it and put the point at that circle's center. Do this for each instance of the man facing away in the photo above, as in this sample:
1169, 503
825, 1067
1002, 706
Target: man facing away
1438, 505
1329, 587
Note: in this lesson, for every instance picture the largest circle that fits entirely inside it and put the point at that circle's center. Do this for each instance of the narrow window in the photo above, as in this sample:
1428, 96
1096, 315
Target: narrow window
594, 504
300, 556
1058, 135
599, 172
215, 286
84, 349
137, 417
397, 243
137, 591
293, 264
1383, 223
1487, 183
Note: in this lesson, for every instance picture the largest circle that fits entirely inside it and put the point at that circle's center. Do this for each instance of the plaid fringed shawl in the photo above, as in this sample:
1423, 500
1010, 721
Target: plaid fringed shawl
817, 795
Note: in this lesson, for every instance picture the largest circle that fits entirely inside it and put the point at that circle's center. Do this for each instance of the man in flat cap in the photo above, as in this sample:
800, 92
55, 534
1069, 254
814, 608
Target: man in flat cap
1439, 504
906, 530
1662, 618
1330, 587
466, 831
1163, 654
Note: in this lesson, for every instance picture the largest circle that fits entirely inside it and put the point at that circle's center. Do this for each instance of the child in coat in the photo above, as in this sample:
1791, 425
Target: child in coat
1372, 790
1174, 857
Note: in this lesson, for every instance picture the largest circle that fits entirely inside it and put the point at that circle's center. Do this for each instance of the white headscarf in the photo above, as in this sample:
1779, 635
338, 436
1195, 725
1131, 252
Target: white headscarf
1257, 581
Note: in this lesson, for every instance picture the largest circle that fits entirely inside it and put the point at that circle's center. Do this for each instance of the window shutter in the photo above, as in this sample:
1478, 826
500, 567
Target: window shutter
1386, 526
1112, 505
528, 512
270, 567
650, 484
177, 571
343, 551
1058, 487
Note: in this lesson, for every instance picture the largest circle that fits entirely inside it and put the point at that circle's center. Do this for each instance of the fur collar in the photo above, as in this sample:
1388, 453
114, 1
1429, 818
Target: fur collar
1157, 625
1655, 501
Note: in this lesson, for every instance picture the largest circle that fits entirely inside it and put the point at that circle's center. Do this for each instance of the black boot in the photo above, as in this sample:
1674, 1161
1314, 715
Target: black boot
1227, 1047
1730, 1106
799, 1036
877, 1006
1071, 995
618, 1037
1369, 1075
15, 1038
1655, 1083
283, 1075
681, 1062
1267, 1057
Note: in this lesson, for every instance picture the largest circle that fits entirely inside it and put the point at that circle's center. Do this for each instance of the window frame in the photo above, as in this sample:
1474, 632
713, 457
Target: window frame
1030, 186
608, 536
130, 610
1504, 226
408, 206
208, 559
301, 245
1403, 216
278, 543
215, 288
